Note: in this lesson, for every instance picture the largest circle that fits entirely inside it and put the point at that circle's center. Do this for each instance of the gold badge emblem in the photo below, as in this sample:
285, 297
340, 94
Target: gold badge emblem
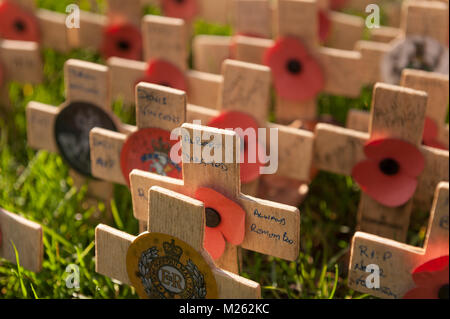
160, 266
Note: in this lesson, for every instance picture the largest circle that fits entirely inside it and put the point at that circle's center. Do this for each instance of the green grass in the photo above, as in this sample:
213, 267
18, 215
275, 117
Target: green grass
37, 185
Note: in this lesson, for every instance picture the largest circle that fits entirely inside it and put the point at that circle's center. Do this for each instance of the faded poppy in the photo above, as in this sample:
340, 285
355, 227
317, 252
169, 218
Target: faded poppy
324, 25
123, 41
296, 74
164, 73
430, 134
225, 221
149, 150
389, 174
233, 120
17, 23
183, 9
431, 280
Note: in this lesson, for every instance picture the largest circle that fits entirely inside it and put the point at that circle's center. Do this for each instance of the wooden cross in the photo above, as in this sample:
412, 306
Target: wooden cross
299, 18
19, 61
173, 217
26, 236
157, 107
166, 39
433, 17
396, 112
65, 129
270, 228
397, 261
53, 32
258, 18
434, 84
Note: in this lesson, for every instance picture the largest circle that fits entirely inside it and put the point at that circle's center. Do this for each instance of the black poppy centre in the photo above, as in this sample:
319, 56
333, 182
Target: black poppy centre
389, 166
19, 25
294, 66
123, 45
444, 292
213, 218
179, 1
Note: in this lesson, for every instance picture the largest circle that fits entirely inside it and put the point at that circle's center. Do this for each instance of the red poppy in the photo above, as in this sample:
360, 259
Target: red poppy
389, 174
232, 120
337, 4
324, 25
17, 23
149, 150
430, 134
225, 221
431, 280
297, 75
122, 40
164, 73
183, 9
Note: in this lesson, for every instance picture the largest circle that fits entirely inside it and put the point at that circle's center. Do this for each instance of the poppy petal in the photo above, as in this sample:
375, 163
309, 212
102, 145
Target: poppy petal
434, 272
422, 293
182, 9
324, 25
409, 158
164, 73
391, 191
430, 134
214, 242
122, 40
233, 120
232, 224
17, 23
297, 76
149, 150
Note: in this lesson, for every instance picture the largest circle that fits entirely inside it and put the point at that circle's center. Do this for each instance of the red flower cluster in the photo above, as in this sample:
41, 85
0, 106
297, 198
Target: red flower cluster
296, 74
122, 40
431, 280
389, 174
182, 9
164, 73
17, 23
233, 120
225, 221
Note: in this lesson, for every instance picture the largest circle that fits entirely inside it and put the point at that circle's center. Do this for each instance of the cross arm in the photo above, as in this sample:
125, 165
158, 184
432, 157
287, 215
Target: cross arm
346, 29
40, 123
210, 51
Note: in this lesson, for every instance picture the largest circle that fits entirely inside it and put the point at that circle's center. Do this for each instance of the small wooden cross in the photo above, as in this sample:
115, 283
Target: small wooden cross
26, 236
270, 228
51, 26
19, 61
258, 19
397, 261
298, 18
65, 129
399, 113
164, 39
434, 84
179, 222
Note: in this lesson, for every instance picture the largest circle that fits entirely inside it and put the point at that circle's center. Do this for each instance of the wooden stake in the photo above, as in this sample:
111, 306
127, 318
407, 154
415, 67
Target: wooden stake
26, 236
396, 260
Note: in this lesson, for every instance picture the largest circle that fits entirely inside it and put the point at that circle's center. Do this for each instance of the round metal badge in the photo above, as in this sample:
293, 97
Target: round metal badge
414, 52
72, 127
149, 150
160, 266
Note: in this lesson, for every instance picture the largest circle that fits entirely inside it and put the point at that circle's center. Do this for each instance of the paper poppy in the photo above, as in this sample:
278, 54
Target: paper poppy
431, 133
232, 120
296, 74
123, 41
17, 23
225, 221
183, 9
431, 280
324, 25
337, 4
149, 150
164, 73
389, 174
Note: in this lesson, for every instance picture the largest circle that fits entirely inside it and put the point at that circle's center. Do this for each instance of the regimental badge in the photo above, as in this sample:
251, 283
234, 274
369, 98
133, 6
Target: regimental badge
149, 150
160, 266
